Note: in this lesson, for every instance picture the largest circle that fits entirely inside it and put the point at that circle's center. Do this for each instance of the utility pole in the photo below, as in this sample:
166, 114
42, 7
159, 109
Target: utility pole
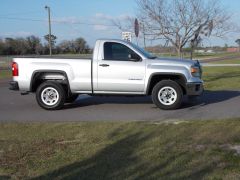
49, 29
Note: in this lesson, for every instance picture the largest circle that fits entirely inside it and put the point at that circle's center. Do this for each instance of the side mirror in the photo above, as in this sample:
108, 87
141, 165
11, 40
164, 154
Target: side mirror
134, 57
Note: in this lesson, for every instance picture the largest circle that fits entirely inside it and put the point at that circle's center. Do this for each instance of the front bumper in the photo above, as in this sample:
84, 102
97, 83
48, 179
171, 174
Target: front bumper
194, 89
14, 86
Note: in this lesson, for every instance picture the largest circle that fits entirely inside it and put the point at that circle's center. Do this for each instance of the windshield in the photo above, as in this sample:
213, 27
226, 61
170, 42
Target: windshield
141, 50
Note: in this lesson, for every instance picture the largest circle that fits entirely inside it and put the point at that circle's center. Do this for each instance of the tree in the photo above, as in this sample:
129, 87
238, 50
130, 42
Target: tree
128, 25
53, 39
2, 47
193, 44
9, 46
34, 45
66, 47
20, 46
80, 45
183, 21
17, 46
238, 42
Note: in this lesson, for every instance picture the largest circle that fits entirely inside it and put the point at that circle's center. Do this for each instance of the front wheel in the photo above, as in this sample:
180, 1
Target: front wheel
50, 95
167, 95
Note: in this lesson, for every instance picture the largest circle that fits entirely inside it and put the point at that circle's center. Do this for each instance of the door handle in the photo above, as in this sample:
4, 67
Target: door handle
104, 65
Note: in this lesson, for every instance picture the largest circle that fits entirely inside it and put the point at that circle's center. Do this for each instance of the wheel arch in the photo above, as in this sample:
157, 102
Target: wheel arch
40, 76
157, 77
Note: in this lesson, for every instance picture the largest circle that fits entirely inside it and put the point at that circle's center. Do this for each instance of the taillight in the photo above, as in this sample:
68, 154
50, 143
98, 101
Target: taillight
14, 69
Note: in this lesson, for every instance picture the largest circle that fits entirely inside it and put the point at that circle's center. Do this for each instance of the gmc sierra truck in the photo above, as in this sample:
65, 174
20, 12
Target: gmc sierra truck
116, 68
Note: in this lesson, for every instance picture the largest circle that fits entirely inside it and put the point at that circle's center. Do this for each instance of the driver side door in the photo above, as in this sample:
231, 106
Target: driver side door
121, 70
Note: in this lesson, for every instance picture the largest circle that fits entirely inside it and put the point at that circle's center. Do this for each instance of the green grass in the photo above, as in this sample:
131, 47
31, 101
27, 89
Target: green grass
200, 55
235, 61
221, 78
5, 61
215, 55
107, 150
4, 74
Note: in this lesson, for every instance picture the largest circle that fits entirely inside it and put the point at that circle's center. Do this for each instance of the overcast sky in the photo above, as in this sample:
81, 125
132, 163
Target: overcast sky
80, 18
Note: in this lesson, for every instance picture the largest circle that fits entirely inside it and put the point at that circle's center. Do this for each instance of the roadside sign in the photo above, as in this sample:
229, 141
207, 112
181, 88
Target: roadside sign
127, 36
136, 27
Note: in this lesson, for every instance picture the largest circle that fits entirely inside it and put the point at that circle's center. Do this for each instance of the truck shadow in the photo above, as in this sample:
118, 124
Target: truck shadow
209, 97
85, 100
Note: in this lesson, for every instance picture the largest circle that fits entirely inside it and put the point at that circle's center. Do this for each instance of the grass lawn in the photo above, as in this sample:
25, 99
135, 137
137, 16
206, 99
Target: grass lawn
200, 55
221, 78
107, 150
235, 61
5, 74
5, 61
215, 55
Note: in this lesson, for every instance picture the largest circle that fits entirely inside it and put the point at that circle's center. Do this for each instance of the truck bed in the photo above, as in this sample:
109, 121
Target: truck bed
78, 71
88, 57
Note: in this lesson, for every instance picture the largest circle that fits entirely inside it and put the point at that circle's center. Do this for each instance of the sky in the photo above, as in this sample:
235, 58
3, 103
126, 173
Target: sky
81, 18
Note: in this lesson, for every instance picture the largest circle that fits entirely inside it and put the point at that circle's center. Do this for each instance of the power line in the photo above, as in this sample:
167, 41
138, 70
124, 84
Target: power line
82, 23
21, 13
56, 21
22, 19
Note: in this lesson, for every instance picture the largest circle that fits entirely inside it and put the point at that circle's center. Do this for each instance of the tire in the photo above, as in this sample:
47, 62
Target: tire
71, 98
167, 95
50, 96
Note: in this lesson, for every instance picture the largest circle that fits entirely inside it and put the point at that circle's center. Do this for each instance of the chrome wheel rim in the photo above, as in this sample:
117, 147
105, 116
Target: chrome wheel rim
50, 96
167, 96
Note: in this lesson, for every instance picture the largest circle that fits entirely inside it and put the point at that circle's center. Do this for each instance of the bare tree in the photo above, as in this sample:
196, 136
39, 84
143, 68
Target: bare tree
183, 22
80, 45
34, 45
128, 25
124, 25
238, 42
66, 46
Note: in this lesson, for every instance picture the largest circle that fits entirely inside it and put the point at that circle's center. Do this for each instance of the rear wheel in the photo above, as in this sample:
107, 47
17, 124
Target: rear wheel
167, 95
50, 95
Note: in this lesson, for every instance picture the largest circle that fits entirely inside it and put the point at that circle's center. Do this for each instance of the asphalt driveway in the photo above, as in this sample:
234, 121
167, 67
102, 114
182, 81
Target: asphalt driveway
212, 105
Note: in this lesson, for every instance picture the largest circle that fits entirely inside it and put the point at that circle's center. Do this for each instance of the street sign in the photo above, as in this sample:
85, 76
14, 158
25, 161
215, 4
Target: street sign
127, 36
136, 27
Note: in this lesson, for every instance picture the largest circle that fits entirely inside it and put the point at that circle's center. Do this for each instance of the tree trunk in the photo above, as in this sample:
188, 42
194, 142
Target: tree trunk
179, 51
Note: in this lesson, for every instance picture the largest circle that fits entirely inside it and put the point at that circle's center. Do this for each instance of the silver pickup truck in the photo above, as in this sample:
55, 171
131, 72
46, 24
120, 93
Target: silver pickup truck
116, 68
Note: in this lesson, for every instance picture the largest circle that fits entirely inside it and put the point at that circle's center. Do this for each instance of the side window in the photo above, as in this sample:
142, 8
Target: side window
119, 52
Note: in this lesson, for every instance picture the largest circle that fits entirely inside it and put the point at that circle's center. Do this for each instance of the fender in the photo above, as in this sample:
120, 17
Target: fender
49, 71
165, 74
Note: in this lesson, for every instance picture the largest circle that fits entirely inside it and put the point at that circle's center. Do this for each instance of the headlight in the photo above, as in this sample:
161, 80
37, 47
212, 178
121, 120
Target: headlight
196, 71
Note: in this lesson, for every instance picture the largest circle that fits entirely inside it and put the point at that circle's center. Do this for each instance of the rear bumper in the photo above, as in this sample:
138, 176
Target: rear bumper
14, 86
194, 89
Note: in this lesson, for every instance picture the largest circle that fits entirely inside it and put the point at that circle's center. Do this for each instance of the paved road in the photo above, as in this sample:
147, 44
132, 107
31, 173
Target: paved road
213, 105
